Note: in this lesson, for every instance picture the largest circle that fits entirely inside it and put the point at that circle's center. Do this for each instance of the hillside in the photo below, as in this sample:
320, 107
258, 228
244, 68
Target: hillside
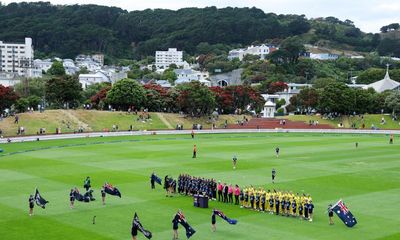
67, 30
71, 120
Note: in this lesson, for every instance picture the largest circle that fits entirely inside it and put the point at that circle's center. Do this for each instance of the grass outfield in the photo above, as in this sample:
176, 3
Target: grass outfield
325, 165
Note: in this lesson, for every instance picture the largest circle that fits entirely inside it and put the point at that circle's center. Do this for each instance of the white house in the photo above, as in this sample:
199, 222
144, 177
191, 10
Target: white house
165, 58
89, 79
16, 57
261, 50
190, 75
43, 65
324, 56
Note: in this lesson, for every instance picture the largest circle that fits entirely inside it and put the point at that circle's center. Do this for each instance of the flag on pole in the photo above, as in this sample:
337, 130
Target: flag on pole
137, 225
182, 220
222, 215
41, 202
156, 179
344, 213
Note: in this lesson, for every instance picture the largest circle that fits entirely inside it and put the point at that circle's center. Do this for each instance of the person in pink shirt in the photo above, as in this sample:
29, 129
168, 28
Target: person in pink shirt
237, 193
219, 187
230, 193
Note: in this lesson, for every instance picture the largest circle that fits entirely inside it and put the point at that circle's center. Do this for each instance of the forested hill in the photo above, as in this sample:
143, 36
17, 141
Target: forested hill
66, 31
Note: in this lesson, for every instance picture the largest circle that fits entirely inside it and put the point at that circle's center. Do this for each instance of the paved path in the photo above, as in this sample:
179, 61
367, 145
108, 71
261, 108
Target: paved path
165, 121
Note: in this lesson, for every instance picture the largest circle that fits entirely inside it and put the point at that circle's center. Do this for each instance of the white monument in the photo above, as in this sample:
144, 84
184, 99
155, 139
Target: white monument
269, 109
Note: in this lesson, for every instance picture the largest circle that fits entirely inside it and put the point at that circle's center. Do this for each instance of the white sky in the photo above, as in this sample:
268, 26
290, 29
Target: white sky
368, 15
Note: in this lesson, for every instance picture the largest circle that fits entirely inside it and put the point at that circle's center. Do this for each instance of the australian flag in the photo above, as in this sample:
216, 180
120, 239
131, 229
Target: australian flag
136, 225
222, 215
189, 230
156, 179
344, 214
108, 188
41, 202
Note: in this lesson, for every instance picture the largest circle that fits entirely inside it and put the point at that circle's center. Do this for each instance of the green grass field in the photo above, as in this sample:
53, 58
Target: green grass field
325, 165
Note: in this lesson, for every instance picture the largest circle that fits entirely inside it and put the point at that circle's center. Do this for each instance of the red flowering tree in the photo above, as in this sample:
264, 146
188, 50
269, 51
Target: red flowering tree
157, 97
277, 87
224, 99
7, 97
99, 99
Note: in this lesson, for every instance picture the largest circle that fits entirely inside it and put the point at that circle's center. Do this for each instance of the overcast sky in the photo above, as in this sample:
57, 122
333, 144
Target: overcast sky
369, 15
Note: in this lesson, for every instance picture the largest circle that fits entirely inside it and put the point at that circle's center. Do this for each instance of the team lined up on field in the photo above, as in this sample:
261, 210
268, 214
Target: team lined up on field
283, 203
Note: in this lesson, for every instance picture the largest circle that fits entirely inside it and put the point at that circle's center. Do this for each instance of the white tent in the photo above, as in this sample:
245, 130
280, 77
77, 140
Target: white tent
384, 84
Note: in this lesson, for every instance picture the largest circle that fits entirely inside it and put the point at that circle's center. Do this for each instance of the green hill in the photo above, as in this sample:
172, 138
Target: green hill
68, 30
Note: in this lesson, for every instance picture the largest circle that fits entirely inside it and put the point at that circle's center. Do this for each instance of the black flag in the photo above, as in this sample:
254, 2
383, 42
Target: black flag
136, 225
156, 179
108, 188
222, 215
41, 202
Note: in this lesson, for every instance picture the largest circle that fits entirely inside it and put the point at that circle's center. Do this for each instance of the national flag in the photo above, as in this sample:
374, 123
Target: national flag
344, 214
136, 225
41, 202
156, 179
189, 230
87, 197
223, 216
108, 188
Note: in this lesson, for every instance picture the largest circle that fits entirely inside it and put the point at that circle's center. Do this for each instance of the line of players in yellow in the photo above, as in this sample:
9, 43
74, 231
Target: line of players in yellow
284, 203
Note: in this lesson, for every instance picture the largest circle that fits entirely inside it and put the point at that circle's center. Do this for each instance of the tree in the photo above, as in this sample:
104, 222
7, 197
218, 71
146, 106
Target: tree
99, 100
56, 69
93, 89
64, 91
7, 97
169, 75
156, 97
22, 105
336, 97
127, 93
36, 87
371, 75
322, 82
392, 101
307, 100
277, 87
195, 98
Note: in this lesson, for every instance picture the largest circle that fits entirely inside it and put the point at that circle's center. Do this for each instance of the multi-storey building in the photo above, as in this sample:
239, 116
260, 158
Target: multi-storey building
165, 58
16, 57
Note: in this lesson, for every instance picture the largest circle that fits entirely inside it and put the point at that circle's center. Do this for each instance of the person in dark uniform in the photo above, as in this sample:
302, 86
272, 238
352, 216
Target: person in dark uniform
277, 151
31, 205
306, 210
71, 198
356, 144
277, 202
152, 182
103, 195
86, 184
194, 151
273, 175
234, 160
391, 139
192, 134
246, 198
225, 193
310, 210
213, 221
134, 233
175, 222
257, 200
166, 185
330, 214
283, 206
263, 202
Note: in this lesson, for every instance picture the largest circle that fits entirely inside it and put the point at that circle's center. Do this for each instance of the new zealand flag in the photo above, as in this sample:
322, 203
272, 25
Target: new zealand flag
108, 188
41, 202
136, 225
222, 215
156, 179
344, 214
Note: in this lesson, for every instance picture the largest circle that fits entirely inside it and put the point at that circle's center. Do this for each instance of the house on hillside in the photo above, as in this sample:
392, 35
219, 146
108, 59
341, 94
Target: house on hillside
89, 79
261, 50
165, 58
